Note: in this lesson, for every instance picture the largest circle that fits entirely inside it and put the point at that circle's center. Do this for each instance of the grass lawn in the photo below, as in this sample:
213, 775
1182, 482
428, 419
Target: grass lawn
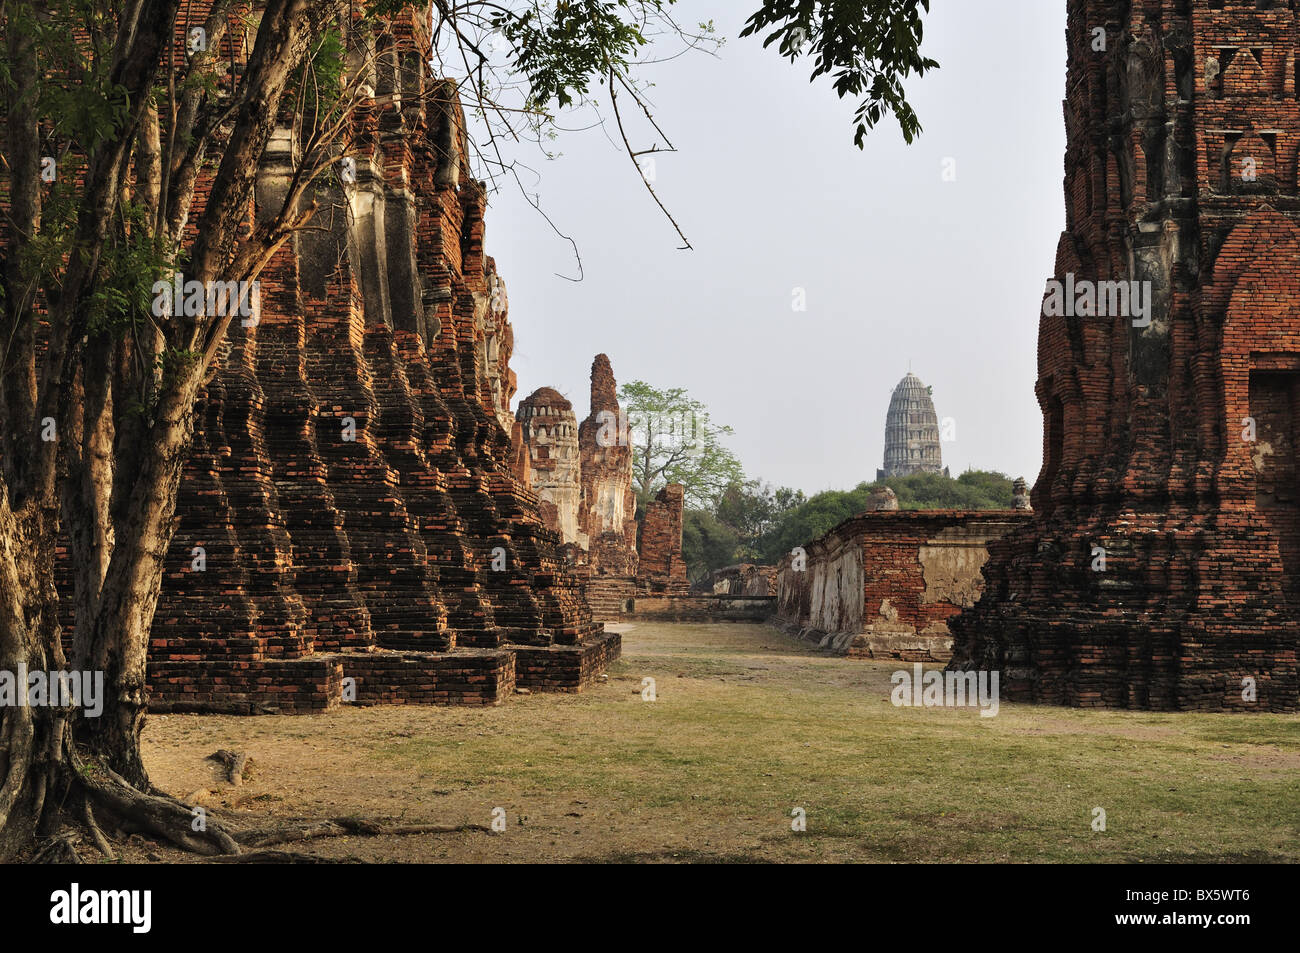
747, 726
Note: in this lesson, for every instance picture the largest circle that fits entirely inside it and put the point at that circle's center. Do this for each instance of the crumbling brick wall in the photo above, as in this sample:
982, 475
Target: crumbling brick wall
743, 579
607, 513
662, 568
884, 584
1169, 437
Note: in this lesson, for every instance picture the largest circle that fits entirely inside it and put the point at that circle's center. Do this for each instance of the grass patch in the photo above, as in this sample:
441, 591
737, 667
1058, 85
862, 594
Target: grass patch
748, 726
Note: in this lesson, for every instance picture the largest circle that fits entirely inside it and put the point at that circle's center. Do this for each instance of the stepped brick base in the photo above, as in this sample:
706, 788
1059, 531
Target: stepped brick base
348, 509
382, 677
466, 677
565, 668
264, 687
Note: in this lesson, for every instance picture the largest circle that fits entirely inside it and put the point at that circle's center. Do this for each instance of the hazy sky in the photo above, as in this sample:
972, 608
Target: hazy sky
898, 266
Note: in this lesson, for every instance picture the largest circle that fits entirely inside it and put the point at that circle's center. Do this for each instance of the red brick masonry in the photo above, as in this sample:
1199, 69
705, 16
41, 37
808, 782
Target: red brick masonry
350, 490
883, 584
1169, 447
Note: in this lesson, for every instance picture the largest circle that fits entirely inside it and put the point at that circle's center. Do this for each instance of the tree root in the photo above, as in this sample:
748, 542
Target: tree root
160, 815
96, 789
281, 857
236, 763
342, 827
60, 849
96, 834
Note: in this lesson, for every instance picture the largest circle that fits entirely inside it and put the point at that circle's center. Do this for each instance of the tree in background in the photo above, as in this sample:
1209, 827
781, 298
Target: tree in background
753, 509
707, 543
744, 515
674, 440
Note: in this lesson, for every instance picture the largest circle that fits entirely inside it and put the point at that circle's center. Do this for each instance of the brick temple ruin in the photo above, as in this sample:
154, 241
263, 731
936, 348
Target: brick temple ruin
741, 579
582, 474
885, 583
1162, 567
350, 509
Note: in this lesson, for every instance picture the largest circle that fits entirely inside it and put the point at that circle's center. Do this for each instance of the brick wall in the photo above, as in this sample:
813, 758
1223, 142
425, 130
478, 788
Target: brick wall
661, 566
884, 584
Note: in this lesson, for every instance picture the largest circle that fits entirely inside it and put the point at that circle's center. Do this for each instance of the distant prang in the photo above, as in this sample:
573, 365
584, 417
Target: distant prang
911, 432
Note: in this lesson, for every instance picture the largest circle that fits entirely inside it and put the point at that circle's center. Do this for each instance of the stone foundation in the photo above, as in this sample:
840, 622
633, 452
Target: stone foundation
566, 668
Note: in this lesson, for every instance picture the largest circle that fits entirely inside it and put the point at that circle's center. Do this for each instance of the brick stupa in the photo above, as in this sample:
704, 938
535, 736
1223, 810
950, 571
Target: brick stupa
350, 487
1170, 437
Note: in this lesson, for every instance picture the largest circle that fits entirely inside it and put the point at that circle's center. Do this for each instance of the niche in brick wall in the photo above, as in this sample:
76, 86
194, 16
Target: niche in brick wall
1247, 163
1243, 73
1274, 402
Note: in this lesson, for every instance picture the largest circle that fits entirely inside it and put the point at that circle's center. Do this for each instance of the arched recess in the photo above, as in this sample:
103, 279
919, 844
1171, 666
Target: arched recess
1257, 283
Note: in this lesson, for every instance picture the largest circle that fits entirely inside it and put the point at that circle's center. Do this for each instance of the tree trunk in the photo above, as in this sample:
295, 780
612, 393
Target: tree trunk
31, 738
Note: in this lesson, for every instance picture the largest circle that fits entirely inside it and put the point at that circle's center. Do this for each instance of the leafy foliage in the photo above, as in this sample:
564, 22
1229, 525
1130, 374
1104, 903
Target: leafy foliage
674, 440
707, 543
557, 54
867, 46
561, 49
973, 490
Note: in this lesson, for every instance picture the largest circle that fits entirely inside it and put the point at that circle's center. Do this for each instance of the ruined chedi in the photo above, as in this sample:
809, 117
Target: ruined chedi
582, 473
549, 429
911, 432
607, 511
349, 524
585, 485
1162, 567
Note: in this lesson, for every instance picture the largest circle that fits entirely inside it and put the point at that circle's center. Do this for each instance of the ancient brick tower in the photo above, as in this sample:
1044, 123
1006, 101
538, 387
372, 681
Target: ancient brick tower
350, 487
583, 475
911, 431
1162, 568
607, 516
550, 431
